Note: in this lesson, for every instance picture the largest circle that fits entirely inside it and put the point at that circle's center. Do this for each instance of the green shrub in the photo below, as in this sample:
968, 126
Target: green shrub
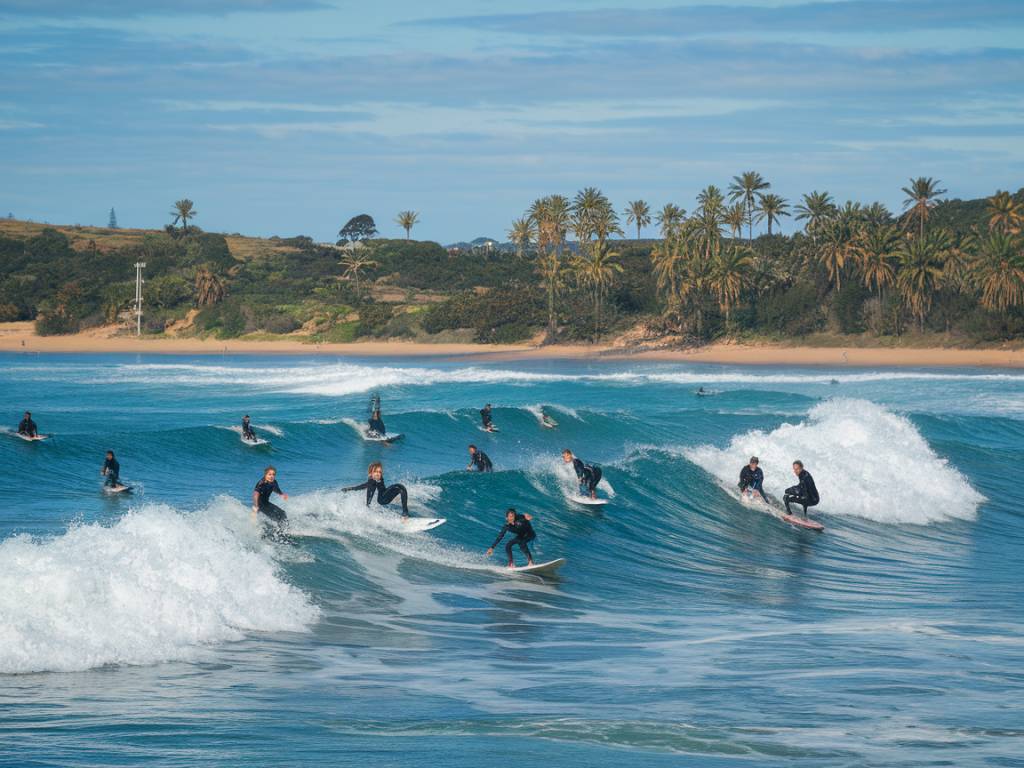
373, 318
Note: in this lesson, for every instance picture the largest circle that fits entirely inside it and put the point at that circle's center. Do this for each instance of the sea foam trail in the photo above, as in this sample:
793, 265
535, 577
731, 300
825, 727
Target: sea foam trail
156, 585
866, 461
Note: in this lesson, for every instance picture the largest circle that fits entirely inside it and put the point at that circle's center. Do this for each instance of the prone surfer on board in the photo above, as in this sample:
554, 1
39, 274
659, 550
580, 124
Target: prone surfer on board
480, 460
522, 534
385, 493
27, 427
111, 470
261, 498
805, 493
752, 479
247, 431
587, 474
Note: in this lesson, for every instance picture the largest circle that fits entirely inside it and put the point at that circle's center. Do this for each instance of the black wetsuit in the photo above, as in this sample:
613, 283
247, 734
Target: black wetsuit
522, 534
805, 493
587, 474
274, 512
377, 427
482, 462
247, 431
28, 427
112, 469
485, 415
385, 493
753, 479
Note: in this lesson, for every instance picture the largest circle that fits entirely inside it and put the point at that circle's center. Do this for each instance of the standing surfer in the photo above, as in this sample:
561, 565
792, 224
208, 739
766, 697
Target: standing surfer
27, 427
485, 417
385, 493
248, 433
805, 493
261, 498
752, 479
522, 534
111, 470
480, 460
587, 474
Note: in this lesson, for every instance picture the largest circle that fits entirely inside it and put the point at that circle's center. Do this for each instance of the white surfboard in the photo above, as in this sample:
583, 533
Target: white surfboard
589, 502
28, 439
255, 443
117, 489
492, 430
548, 422
382, 438
420, 524
540, 569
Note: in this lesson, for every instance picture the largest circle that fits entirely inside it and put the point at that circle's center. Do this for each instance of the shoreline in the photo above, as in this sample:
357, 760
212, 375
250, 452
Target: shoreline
21, 337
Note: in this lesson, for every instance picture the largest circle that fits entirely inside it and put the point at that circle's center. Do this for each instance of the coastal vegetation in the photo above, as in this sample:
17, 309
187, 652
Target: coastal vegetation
937, 268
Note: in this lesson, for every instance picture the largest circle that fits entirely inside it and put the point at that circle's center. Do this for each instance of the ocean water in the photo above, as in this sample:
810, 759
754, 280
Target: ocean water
685, 629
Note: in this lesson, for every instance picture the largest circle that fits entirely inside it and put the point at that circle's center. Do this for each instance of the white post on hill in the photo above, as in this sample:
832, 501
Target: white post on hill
139, 266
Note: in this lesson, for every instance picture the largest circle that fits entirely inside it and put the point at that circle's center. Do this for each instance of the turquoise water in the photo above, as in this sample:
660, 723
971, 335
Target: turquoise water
685, 628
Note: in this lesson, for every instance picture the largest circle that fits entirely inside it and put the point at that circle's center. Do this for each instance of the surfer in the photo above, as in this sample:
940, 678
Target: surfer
805, 493
261, 498
376, 425
385, 493
485, 416
587, 474
751, 479
111, 470
522, 534
247, 431
480, 460
701, 392
27, 427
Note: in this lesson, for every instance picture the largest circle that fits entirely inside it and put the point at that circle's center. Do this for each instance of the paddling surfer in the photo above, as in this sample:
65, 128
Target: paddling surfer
804, 493
522, 534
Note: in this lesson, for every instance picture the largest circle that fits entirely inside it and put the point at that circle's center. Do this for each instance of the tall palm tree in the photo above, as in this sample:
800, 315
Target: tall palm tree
735, 217
877, 215
183, 211
550, 217
876, 249
710, 217
407, 220
597, 271
669, 218
638, 212
998, 271
1004, 213
552, 274
745, 188
771, 208
729, 276
838, 243
521, 234
920, 275
816, 209
355, 264
593, 216
209, 288
922, 196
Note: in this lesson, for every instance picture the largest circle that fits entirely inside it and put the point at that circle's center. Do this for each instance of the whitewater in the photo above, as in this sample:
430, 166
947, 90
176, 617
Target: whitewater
685, 629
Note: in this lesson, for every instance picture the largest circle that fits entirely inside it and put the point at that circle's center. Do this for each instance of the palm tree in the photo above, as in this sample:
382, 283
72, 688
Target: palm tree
407, 220
597, 271
877, 215
521, 233
770, 208
729, 276
875, 249
816, 209
746, 188
838, 245
593, 216
735, 216
669, 218
183, 211
920, 276
209, 288
354, 264
550, 217
922, 196
1004, 213
638, 212
710, 216
552, 273
998, 271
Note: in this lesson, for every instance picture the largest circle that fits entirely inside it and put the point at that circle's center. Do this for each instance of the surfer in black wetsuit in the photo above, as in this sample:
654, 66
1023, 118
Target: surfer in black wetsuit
111, 470
27, 427
522, 534
587, 474
376, 425
480, 460
805, 493
385, 493
247, 431
261, 498
485, 416
752, 479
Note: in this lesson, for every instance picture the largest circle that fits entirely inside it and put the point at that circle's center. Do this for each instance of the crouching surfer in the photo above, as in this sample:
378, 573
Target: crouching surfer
27, 427
375, 485
480, 460
261, 498
248, 433
588, 475
522, 534
804, 493
752, 480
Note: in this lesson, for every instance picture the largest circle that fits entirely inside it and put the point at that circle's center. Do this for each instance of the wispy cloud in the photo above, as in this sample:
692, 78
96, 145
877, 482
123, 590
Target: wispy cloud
70, 9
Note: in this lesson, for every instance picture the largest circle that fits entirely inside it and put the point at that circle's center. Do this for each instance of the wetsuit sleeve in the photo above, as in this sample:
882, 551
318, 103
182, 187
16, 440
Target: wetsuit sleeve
580, 469
277, 489
359, 487
744, 478
810, 490
501, 535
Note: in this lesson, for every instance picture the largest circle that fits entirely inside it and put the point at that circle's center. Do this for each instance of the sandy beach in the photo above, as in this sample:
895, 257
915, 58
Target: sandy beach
21, 337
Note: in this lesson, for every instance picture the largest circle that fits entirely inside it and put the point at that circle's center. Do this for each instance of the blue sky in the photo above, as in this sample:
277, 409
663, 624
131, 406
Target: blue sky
289, 116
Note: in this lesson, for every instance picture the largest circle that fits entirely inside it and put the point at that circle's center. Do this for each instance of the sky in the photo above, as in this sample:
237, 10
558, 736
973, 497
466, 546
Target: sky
287, 117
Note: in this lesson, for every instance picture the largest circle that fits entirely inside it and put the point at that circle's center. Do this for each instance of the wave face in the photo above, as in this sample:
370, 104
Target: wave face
685, 628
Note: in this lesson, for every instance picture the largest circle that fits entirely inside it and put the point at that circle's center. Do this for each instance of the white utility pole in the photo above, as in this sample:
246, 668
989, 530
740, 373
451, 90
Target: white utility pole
139, 266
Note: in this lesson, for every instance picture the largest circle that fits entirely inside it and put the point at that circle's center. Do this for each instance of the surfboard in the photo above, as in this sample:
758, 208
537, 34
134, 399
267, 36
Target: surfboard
540, 569
117, 489
27, 439
255, 443
492, 429
382, 438
801, 522
588, 502
548, 422
420, 524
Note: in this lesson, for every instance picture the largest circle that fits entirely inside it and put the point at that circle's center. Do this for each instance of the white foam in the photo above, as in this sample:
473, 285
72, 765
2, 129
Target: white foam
156, 585
866, 461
